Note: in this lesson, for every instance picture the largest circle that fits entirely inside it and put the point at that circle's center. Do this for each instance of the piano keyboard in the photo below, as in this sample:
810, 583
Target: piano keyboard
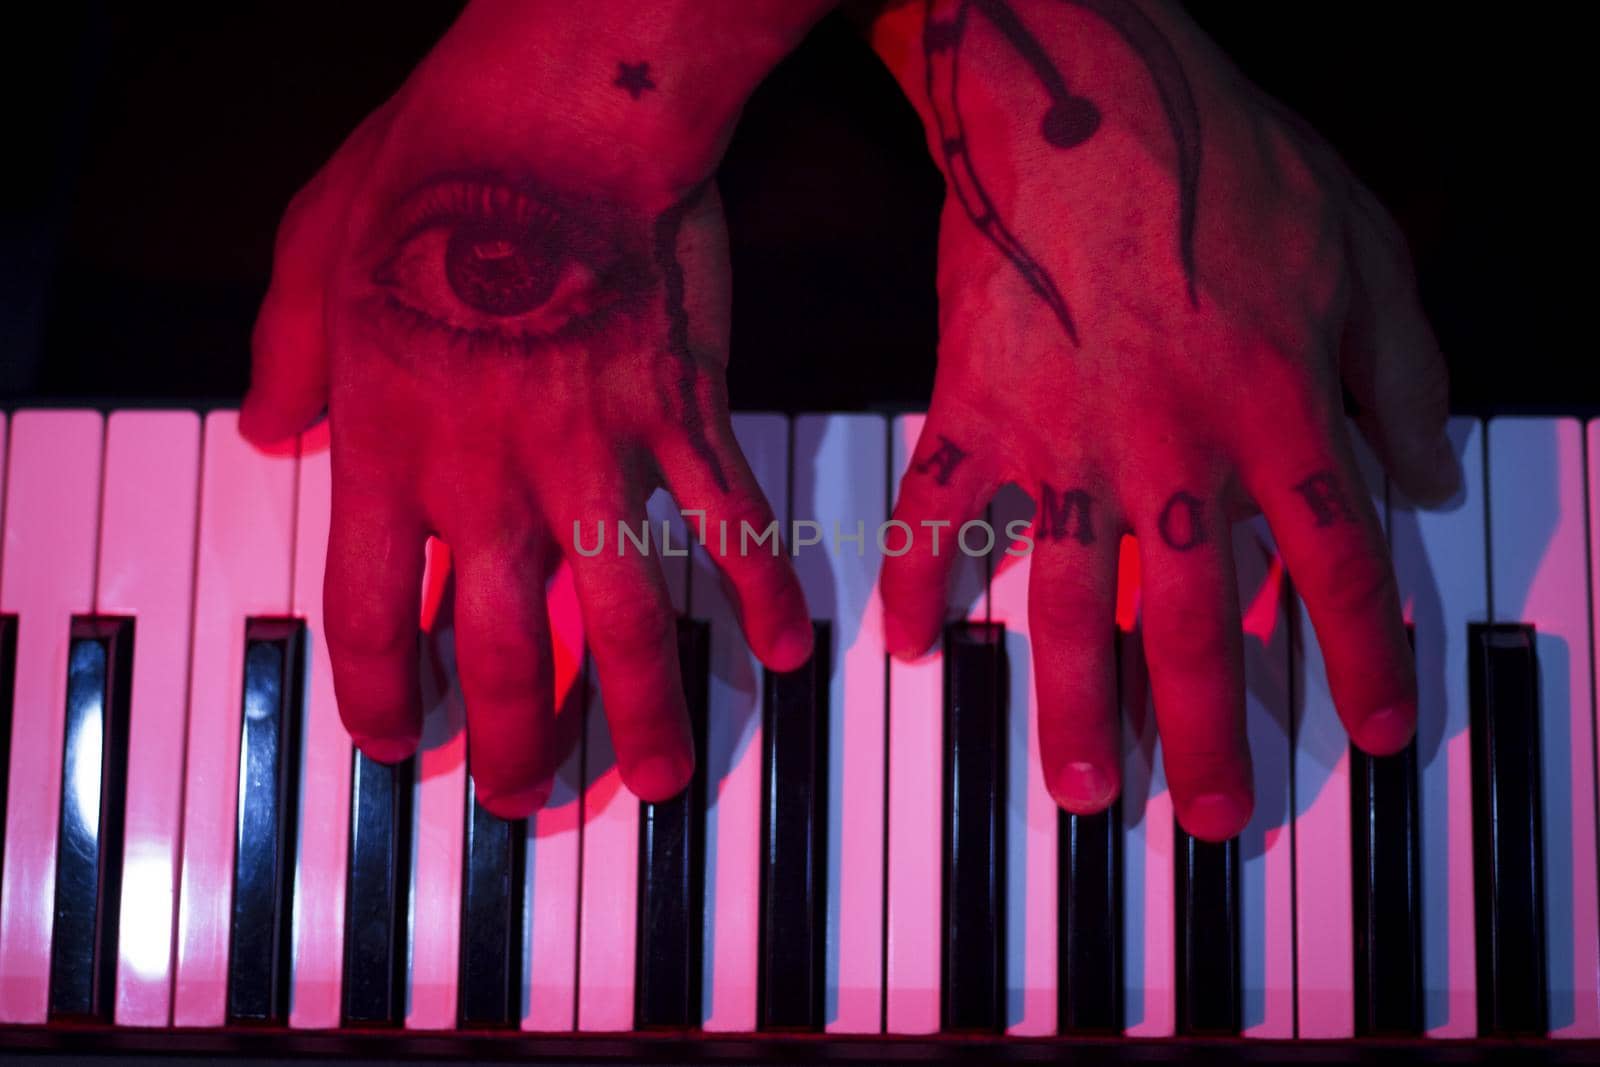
190, 842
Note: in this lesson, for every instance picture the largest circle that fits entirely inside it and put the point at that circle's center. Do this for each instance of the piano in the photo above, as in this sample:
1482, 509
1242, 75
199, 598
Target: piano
867, 865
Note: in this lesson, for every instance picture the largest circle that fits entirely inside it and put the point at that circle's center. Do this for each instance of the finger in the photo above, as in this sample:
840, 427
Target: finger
1331, 541
759, 574
372, 591
631, 628
507, 670
1391, 363
1072, 602
1192, 641
947, 484
288, 361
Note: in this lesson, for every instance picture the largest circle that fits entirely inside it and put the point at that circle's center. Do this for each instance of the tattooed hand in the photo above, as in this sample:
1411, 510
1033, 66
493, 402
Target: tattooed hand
510, 289
1153, 282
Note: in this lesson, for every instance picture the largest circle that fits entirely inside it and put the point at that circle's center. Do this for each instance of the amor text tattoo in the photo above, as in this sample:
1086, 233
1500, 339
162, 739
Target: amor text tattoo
1069, 120
1182, 522
1325, 497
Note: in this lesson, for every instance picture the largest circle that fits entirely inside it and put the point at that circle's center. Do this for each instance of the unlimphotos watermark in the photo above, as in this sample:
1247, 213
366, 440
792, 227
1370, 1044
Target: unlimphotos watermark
892, 538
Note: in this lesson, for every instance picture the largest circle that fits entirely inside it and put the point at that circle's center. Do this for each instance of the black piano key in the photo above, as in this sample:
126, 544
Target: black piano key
375, 897
490, 983
1089, 928
672, 868
974, 827
94, 770
1387, 892
264, 853
8, 692
1507, 855
1089, 920
794, 822
1207, 935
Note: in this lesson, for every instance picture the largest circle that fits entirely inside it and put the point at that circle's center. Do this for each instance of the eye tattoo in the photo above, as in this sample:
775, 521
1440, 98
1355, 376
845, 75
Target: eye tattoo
1068, 122
497, 265
1182, 522
1326, 499
634, 79
942, 462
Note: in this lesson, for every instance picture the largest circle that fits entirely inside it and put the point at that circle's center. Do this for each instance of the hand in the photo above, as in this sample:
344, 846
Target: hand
510, 289
1152, 284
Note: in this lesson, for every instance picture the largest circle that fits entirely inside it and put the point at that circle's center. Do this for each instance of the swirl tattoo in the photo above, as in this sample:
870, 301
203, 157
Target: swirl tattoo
1070, 121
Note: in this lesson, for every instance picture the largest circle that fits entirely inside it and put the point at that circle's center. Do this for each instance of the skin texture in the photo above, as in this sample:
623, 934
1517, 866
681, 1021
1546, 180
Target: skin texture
509, 288
1153, 282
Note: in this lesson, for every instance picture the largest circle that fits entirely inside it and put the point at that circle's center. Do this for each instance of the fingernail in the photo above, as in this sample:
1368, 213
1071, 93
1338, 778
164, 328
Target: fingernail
900, 641
516, 803
1388, 731
1215, 816
1082, 788
792, 648
386, 749
658, 778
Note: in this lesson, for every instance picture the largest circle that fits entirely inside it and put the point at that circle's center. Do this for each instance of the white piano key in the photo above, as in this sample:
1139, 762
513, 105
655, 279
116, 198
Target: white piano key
147, 531
731, 931
608, 909
1441, 563
1266, 890
1324, 877
914, 935
51, 529
1537, 572
322, 855
1031, 814
1150, 991
840, 467
915, 928
550, 965
246, 545
439, 814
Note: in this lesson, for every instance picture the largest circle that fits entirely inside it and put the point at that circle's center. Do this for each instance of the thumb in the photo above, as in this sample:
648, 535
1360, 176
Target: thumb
1391, 361
288, 350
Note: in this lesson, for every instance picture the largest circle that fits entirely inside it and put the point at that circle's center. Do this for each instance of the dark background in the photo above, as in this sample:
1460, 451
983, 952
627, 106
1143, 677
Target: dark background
151, 148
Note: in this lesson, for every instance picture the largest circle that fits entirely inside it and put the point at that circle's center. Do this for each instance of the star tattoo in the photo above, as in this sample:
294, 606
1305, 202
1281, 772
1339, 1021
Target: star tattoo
634, 79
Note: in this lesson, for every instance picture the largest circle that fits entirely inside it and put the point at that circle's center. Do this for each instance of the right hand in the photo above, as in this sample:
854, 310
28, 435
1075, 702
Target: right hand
510, 289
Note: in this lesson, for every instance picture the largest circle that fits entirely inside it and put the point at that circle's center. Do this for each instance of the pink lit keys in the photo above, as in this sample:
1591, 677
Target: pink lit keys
733, 753
51, 528
147, 532
1537, 566
244, 553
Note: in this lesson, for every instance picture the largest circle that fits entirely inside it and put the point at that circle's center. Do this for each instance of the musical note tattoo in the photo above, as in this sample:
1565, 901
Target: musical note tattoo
1068, 122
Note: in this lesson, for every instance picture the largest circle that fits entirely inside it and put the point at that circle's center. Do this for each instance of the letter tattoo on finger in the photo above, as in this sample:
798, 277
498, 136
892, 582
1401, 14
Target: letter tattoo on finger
1182, 522
1057, 512
1326, 498
942, 462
